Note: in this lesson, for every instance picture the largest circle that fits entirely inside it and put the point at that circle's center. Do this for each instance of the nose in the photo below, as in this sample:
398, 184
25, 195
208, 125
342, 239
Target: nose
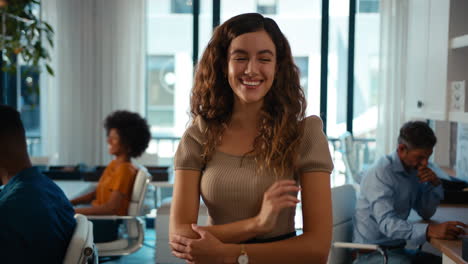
251, 68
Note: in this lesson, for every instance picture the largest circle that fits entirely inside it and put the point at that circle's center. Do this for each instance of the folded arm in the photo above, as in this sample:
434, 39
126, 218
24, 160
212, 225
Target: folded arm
277, 197
310, 247
185, 203
314, 244
184, 212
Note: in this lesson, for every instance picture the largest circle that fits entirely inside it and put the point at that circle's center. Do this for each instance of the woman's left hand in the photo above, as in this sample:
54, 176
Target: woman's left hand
206, 249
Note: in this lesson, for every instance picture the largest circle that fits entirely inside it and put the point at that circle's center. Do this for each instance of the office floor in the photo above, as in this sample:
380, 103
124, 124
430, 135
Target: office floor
143, 255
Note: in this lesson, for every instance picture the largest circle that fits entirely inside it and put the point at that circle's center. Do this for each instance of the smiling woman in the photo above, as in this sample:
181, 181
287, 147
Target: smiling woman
248, 152
251, 67
128, 136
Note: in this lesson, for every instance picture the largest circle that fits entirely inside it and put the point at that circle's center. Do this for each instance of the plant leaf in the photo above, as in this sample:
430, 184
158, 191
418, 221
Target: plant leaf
48, 26
50, 70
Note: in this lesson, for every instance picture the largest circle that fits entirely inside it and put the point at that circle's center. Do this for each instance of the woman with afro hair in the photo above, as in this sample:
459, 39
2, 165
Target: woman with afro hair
128, 136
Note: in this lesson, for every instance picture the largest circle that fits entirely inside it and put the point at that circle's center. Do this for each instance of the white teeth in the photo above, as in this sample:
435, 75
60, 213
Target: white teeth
251, 83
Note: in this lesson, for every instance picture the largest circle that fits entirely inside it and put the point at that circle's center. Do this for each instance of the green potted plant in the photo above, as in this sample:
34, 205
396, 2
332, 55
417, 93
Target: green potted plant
23, 32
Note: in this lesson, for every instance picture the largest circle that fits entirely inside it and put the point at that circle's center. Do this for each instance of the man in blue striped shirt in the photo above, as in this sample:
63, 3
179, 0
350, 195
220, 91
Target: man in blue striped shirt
394, 185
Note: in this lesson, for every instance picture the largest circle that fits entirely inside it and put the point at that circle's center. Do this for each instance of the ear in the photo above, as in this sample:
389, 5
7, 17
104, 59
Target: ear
402, 148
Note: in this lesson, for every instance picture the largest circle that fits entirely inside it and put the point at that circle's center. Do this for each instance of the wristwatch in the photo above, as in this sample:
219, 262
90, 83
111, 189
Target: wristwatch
243, 257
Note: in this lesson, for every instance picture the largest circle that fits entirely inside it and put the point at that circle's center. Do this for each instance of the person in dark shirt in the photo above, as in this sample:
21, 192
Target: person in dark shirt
36, 219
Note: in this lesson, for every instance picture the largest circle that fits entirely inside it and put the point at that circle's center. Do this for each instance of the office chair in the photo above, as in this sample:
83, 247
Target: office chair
81, 249
344, 206
133, 236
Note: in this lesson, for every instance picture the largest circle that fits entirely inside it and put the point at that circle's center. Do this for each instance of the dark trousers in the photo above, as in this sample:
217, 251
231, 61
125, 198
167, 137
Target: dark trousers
399, 256
105, 230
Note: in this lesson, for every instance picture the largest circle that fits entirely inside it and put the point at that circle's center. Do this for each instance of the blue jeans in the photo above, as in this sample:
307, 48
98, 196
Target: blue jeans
399, 256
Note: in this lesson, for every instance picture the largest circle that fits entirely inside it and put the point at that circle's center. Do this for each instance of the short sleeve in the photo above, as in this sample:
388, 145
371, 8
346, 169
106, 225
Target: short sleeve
189, 152
314, 154
123, 179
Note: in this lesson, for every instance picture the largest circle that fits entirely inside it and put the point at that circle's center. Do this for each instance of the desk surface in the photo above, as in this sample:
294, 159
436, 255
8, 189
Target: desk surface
161, 184
451, 248
74, 188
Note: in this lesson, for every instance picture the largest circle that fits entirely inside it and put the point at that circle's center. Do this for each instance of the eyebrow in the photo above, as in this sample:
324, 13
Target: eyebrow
266, 51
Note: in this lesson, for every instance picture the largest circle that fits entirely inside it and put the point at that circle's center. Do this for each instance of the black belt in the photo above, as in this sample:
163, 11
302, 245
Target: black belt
271, 239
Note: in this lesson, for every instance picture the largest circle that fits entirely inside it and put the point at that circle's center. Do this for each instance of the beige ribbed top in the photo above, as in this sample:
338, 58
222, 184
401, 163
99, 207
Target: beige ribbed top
230, 187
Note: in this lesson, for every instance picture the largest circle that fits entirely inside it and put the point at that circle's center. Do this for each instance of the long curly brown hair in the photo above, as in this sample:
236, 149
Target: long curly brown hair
280, 127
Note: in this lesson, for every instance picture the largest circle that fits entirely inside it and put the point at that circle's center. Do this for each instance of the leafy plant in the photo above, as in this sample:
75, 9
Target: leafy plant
22, 35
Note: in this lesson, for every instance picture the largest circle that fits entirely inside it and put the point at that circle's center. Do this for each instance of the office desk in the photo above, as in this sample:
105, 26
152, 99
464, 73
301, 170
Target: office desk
451, 249
73, 189
157, 194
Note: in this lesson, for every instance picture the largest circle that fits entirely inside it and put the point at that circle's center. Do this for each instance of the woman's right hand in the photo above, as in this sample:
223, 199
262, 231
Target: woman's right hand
276, 198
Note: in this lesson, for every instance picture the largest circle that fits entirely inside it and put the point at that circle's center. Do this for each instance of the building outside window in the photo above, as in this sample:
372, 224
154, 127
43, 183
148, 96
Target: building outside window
181, 6
30, 108
160, 95
303, 65
169, 41
267, 7
368, 6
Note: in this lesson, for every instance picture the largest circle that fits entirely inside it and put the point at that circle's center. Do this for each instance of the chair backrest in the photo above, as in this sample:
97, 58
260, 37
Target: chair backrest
81, 247
137, 198
343, 205
139, 191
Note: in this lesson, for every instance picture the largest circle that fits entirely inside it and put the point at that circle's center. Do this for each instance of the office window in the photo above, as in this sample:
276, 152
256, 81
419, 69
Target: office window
22, 91
366, 74
169, 69
303, 65
161, 85
300, 21
337, 68
366, 83
181, 6
267, 7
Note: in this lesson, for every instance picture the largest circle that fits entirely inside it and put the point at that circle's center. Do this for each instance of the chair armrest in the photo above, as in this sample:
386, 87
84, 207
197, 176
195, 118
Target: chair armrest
112, 217
398, 243
355, 245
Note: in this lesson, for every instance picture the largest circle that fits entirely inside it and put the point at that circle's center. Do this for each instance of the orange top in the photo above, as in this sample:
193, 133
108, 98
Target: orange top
116, 177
